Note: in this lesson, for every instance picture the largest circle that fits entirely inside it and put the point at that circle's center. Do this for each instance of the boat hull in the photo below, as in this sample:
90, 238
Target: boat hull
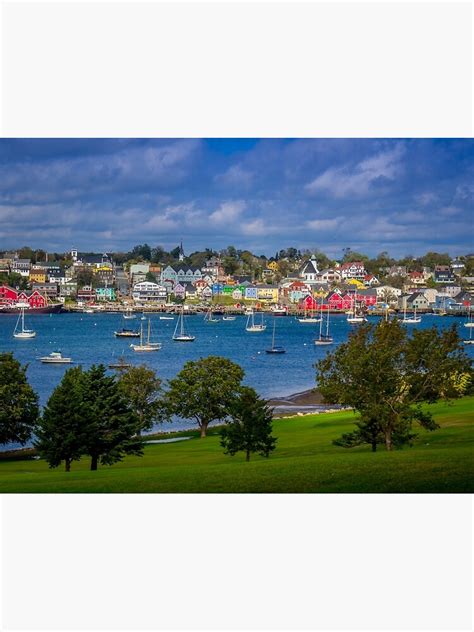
50, 309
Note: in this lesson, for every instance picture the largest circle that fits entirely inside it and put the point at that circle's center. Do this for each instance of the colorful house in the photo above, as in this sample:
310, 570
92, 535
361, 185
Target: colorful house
105, 293
268, 293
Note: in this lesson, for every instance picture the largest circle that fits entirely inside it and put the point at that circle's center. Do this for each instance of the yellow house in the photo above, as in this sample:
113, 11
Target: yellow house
268, 293
37, 275
358, 284
273, 265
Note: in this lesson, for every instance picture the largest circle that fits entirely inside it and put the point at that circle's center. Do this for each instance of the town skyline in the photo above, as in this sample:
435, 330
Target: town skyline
404, 196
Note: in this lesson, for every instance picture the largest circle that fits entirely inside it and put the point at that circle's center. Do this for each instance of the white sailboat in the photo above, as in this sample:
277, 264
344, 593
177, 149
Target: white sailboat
181, 335
275, 348
324, 338
410, 319
353, 318
148, 345
252, 326
22, 333
470, 322
470, 340
208, 317
129, 315
309, 319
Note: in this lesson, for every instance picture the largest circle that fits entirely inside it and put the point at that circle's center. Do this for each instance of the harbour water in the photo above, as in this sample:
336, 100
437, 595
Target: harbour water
89, 339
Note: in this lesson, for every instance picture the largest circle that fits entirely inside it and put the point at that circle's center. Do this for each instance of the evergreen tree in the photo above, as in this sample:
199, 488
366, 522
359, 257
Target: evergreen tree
19, 402
250, 426
203, 389
63, 430
112, 424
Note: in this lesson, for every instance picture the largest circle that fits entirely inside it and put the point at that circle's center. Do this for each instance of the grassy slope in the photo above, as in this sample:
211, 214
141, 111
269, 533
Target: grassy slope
305, 461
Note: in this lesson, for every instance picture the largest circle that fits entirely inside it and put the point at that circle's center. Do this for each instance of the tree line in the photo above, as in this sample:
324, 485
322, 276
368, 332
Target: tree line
382, 372
103, 417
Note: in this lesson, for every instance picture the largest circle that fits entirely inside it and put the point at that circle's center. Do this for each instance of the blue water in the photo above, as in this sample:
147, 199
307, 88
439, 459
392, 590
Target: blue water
89, 339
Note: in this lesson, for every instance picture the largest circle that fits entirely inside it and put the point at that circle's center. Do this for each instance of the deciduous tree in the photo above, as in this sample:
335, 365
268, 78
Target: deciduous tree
203, 389
385, 375
142, 388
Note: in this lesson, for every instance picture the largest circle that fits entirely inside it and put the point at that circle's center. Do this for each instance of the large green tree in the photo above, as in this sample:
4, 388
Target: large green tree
63, 430
18, 402
142, 388
203, 390
385, 374
112, 424
249, 428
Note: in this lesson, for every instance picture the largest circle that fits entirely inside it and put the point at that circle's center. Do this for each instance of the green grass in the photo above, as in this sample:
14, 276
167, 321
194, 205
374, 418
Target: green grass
304, 461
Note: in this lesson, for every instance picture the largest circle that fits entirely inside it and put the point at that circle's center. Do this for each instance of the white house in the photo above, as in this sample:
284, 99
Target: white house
309, 271
148, 291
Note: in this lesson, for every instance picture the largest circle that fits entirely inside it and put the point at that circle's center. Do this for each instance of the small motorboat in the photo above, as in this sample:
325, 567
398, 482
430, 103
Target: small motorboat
55, 358
228, 317
166, 317
129, 315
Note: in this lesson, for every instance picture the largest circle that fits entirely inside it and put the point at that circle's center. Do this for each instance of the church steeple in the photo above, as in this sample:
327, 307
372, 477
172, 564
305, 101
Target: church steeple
181, 251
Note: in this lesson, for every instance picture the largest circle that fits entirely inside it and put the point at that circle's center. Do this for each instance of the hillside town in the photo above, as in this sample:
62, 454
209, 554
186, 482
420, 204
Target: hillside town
292, 280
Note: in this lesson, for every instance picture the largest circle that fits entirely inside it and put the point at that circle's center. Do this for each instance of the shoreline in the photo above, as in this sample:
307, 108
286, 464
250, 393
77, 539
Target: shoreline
308, 402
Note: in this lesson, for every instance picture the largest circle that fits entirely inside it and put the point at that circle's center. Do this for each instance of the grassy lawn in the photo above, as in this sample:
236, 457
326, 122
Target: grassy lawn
304, 461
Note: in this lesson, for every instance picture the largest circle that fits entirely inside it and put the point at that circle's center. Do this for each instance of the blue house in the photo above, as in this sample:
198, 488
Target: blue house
251, 292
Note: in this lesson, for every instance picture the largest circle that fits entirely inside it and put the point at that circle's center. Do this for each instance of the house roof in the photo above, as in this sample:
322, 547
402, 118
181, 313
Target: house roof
309, 267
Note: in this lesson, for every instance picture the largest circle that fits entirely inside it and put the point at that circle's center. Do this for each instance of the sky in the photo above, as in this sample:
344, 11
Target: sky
406, 196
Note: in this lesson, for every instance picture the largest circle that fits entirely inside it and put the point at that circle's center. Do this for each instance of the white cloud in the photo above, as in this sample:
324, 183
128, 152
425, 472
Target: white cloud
324, 224
347, 181
228, 212
235, 175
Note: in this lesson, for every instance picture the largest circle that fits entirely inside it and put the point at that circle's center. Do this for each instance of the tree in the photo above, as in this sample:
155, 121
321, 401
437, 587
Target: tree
19, 403
112, 431
142, 389
385, 375
149, 276
203, 389
63, 430
230, 265
250, 426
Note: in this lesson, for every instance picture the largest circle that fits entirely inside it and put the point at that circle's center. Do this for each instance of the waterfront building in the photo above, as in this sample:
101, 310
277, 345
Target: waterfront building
50, 290
147, 291
38, 274
268, 293
105, 293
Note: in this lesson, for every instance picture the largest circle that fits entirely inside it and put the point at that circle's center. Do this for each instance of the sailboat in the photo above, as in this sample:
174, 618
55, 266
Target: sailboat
273, 348
148, 345
308, 319
252, 326
181, 335
209, 318
22, 333
470, 321
129, 315
354, 318
470, 340
410, 320
324, 339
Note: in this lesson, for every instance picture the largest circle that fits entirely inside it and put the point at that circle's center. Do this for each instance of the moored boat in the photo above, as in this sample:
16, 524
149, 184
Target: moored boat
127, 333
55, 357
23, 334
181, 335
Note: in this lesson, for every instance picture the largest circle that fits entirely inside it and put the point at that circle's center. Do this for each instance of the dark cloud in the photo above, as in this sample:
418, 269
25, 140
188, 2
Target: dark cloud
403, 195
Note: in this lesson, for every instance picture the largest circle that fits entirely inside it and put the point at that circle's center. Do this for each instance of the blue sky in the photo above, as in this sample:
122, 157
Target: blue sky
404, 196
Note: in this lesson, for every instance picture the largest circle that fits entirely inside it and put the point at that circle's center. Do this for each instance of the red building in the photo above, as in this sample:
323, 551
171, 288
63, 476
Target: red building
9, 296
